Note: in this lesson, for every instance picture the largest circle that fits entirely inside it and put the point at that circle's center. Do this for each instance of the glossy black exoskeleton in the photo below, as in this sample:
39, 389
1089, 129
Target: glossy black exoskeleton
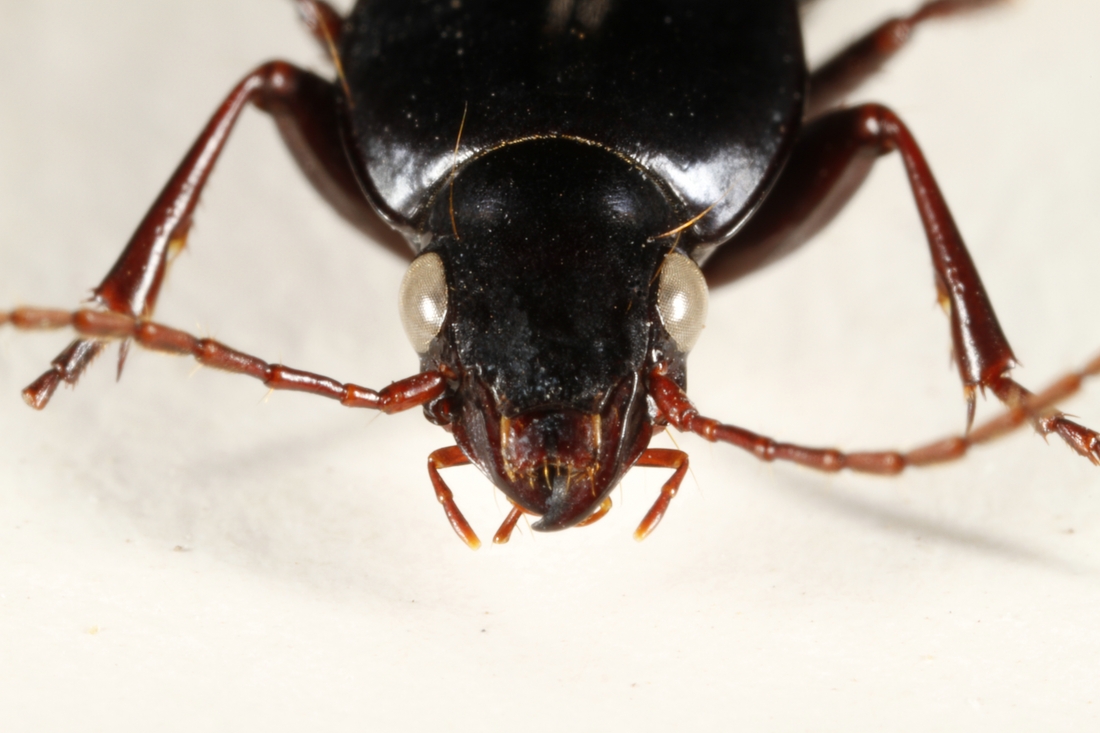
567, 173
581, 146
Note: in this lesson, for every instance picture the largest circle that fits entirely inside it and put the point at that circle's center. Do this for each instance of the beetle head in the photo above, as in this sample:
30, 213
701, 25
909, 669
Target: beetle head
549, 271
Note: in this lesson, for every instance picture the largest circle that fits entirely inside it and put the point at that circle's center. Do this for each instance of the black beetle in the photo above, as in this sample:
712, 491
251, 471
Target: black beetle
562, 171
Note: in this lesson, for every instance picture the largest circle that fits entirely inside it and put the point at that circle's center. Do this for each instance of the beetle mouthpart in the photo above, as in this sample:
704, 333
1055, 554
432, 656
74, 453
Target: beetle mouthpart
562, 480
555, 462
553, 458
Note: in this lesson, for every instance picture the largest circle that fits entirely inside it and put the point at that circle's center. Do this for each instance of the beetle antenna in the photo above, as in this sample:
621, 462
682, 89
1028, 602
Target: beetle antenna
454, 168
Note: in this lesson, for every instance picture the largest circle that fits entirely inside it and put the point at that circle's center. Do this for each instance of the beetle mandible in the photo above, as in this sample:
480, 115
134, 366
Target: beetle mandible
569, 176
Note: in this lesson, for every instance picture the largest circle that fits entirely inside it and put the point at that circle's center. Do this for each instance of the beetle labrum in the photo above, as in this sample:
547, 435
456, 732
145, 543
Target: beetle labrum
563, 223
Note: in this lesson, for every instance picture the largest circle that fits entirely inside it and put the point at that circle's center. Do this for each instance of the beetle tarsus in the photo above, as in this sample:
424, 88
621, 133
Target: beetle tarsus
1084, 441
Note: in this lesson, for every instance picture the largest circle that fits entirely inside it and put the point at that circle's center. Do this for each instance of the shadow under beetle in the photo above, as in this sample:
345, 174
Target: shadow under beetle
569, 175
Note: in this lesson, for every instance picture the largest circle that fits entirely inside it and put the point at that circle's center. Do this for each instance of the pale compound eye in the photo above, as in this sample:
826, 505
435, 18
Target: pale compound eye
682, 300
423, 300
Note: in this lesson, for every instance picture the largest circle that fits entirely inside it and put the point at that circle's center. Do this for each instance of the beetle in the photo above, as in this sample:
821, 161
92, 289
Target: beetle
569, 176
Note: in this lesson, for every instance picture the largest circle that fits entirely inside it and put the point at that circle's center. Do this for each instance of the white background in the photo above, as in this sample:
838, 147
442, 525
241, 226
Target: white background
318, 585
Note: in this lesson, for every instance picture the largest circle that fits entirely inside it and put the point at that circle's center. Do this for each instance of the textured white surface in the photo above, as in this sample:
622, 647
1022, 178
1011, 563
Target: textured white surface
320, 586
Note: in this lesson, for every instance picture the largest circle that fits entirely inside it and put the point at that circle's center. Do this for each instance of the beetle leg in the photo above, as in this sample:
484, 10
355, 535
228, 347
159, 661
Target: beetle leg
133, 284
851, 67
448, 458
661, 458
681, 413
97, 327
827, 166
830, 161
305, 108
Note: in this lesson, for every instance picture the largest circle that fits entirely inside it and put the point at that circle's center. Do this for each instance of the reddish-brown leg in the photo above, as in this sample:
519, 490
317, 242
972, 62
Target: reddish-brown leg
678, 410
308, 116
310, 121
448, 458
823, 173
661, 458
284, 91
305, 108
850, 68
831, 159
828, 164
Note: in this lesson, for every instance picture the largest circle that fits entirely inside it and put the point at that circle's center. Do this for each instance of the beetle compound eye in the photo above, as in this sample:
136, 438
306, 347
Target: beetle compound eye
423, 300
682, 300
